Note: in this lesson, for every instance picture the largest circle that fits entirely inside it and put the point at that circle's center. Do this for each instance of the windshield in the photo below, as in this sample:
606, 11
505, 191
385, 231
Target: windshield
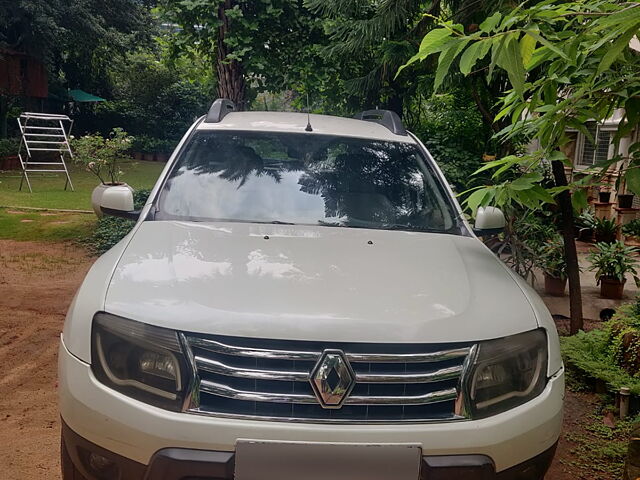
310, 179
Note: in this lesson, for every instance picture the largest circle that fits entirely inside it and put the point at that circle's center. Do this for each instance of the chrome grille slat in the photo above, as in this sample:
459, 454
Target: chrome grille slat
219, 347
228, 392
436, 376
215, 366
272, 379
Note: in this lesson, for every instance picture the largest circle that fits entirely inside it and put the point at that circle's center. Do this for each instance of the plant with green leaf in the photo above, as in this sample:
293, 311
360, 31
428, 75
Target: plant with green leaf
605, 229
551, 258
566, 63
613, 261
632, 229
102, 156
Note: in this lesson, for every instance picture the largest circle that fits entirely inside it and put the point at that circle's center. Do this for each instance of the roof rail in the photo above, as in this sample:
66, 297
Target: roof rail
218, 110
386, 118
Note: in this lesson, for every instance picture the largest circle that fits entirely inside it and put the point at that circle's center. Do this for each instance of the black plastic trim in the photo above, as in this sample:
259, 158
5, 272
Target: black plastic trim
219, 110
386, 118
131, 214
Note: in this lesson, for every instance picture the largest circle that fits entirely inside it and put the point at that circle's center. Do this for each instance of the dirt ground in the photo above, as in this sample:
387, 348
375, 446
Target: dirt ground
37, 282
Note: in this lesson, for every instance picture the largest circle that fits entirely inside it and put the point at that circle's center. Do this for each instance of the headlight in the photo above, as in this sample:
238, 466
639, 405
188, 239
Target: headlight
506, 373
139, 360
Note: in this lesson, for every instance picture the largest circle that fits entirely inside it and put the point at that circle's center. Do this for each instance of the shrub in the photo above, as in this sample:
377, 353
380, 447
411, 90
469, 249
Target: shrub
102, 156
611, 354
110, 230
9, 147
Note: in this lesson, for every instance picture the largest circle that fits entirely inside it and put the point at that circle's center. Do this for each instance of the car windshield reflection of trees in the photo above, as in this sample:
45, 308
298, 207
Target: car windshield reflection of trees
362, 183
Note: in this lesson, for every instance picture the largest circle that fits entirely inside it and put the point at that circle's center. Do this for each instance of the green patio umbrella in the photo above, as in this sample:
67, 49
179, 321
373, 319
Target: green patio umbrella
82, 96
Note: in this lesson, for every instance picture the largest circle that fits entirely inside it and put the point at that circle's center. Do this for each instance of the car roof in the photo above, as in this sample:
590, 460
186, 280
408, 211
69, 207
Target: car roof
294, 122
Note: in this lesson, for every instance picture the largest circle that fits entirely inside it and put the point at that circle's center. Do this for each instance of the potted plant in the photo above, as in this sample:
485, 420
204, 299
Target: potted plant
605, 230
625, 200
631, 232
552, 262
611, 262
604, 196
585, 225
102, 157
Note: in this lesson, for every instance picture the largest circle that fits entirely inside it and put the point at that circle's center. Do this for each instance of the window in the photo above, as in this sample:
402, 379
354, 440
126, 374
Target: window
591, 154
326, 180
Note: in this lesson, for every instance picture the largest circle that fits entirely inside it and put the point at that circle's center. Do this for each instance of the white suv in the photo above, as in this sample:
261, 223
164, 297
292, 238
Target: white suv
301, 298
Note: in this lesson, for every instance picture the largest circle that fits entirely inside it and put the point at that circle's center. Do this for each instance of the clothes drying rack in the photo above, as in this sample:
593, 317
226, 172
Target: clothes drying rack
43, 133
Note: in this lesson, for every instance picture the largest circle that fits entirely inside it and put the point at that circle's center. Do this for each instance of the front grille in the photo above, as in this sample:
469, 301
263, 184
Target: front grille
270, 379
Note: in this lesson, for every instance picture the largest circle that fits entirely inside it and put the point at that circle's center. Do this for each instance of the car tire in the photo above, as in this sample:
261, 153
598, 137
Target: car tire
69, 470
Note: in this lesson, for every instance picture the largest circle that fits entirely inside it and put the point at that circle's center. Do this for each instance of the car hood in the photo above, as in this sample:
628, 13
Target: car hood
316, 283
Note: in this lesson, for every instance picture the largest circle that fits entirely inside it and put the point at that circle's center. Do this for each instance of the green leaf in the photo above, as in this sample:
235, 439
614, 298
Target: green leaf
549, 45
632, 177
431, 43
476, 51
490, 23
446, 58
475, 199
617, 48
579, 200
527, 46
510, 60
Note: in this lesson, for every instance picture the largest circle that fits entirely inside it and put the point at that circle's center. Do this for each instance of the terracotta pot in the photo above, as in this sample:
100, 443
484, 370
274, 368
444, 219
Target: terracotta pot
604, 197
611, 288
625, 200
585, 235
554, 286
96, 196
607, 238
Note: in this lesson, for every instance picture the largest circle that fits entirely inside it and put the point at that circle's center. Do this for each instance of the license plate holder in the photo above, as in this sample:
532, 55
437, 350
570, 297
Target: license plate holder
272, 460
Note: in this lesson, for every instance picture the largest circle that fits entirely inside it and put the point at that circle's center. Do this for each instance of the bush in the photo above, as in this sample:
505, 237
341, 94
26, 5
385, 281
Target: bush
9, 147
147, 144
110, 230
611, 354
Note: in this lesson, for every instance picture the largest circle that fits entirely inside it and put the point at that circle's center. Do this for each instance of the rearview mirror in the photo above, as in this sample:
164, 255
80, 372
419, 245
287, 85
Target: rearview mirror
489, 221
117, 201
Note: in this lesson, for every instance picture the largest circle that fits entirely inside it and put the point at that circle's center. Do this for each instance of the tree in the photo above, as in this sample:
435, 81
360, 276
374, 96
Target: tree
253, 46
566, 63
76, 40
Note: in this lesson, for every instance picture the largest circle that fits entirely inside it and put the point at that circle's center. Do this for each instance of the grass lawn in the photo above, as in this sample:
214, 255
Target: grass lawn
18, 224
48, 189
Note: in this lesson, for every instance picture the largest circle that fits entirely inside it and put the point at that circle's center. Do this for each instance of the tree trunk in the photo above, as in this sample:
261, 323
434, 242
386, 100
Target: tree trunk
570, 252
231, 83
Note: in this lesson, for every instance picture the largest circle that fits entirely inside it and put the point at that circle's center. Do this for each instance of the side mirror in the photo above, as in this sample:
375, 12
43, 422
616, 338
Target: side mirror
489, 221
118, 202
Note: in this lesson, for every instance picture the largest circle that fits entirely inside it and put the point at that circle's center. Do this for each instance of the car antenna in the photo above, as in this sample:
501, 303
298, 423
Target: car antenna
308, 127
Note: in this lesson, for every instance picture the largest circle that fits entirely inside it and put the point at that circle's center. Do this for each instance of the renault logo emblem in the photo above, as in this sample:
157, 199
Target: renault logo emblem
332, 379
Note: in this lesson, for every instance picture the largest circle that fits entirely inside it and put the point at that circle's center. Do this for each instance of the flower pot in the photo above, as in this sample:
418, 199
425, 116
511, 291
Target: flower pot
611, 288
625, 200
585, 235
96, 196
605, 237
554, 286
604, 197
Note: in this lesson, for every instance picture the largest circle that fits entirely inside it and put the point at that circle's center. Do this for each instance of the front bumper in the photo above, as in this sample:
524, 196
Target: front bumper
138, 432
183, 463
